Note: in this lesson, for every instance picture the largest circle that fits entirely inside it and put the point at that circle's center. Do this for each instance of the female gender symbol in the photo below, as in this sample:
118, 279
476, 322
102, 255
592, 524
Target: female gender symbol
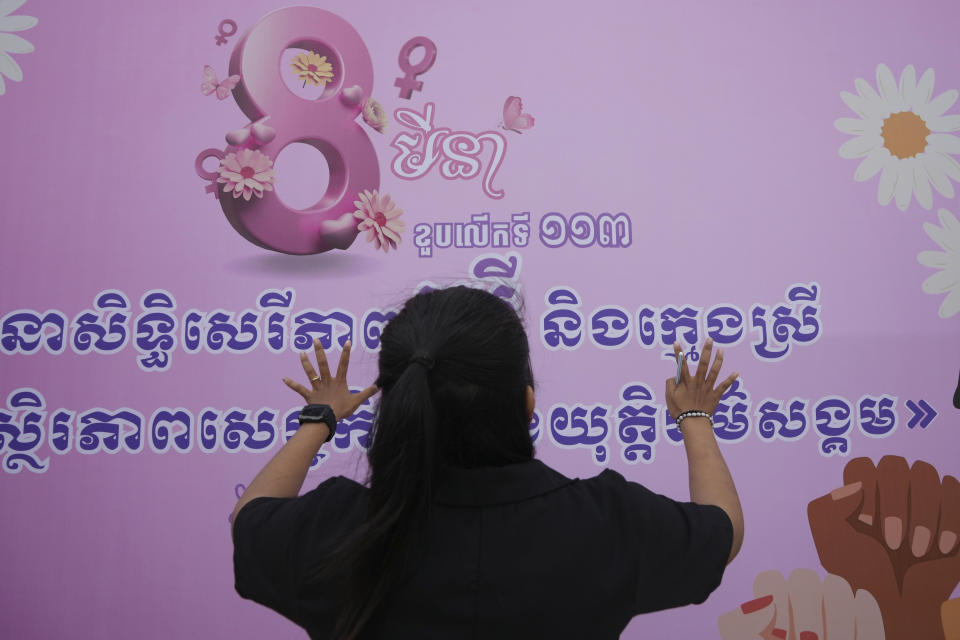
222, 33
408, 83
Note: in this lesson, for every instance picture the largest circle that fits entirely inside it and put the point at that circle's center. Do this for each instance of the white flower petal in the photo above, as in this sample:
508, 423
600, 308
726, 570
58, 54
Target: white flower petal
863, 108
944, 123
857, 126
904, 188
944, 143
941, 282
939, 105
10, 68
951, 304
871, 165
950, 166
865, 90
950, 224
924, 89
921, 186
938, 235
934, 164
17, 23
908, 84
934, 259
888, 182
14, 44
888, 89
860, 146
9, 6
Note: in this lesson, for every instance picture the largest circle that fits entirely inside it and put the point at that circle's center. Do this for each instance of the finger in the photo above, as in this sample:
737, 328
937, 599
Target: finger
296, 386
949, 515
322, 365
749, 620
344, 363
869, 621
357, 399
725, 385
893, 486
862, 470
682, 359
715, 370
950, 618
806, 603
838, 620
829, 523
924, 507
308, 369
705, 360
367, 393
773, 583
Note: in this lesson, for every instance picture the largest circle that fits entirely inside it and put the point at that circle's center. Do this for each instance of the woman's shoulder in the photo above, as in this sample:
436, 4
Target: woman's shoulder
336, 487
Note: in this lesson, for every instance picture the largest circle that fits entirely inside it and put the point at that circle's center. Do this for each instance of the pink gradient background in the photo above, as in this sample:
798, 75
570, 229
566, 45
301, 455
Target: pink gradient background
710, 124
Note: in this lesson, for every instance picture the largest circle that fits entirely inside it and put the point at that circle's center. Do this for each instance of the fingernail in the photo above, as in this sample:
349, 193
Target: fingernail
779, 633
808, 635
866, 519
756, 605
921, 541
947, 540
846, 491
893, 532
348, 344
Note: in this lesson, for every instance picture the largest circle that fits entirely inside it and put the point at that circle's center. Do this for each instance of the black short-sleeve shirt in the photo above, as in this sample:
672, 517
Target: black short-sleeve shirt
519, 551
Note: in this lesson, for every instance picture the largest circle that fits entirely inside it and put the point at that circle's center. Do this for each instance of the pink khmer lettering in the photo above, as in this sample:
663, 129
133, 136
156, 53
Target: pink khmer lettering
458, 153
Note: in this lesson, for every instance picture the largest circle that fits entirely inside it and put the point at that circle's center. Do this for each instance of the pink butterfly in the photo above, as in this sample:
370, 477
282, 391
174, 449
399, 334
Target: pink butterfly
211, 84
513, 117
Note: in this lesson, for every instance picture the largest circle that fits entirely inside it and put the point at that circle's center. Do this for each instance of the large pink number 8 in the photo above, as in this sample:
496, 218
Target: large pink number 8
327, 124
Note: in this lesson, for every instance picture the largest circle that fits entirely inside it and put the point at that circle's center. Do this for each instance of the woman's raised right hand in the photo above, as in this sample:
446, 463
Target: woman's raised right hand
697, 392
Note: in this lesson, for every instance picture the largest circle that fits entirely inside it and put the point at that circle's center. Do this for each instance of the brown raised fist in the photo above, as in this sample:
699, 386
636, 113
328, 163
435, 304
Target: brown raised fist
893, 530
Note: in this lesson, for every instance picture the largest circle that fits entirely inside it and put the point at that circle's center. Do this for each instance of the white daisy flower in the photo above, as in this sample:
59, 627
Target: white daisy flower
10, 43
947, 280
903, 132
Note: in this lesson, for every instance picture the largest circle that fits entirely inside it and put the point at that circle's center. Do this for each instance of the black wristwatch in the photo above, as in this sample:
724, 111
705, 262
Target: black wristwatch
319, 413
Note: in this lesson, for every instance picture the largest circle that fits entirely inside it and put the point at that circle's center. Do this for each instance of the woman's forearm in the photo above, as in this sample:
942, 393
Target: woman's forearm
710, 479
283, 476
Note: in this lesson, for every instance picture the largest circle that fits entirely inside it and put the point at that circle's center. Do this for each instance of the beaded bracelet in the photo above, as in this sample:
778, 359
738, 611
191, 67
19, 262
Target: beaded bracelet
694, 414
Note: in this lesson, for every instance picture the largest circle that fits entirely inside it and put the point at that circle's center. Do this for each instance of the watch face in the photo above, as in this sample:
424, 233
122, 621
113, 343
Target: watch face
314, 414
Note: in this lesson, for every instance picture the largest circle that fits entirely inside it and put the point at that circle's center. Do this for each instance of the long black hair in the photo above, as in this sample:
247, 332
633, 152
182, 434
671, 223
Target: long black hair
454, 369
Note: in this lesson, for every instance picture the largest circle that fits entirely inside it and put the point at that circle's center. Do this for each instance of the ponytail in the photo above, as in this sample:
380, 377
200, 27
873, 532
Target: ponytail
401, 492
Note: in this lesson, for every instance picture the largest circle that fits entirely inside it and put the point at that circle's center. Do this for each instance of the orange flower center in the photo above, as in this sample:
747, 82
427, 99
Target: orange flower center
247, 172
312, 68
379, 218
905, 134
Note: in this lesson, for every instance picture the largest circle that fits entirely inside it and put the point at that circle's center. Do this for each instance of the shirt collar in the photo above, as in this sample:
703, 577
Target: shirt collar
486, 486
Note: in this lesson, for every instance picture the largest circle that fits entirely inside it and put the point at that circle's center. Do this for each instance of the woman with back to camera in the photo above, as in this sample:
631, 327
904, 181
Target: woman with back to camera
462, 533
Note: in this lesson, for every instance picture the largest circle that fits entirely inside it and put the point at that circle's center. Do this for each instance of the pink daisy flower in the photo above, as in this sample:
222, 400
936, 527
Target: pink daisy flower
247, 172
380, 218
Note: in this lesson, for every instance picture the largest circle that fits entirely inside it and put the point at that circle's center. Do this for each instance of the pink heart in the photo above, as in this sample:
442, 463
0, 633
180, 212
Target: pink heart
352, 95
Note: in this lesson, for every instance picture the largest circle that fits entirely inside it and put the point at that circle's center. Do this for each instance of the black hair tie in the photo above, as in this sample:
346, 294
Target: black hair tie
423, 359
